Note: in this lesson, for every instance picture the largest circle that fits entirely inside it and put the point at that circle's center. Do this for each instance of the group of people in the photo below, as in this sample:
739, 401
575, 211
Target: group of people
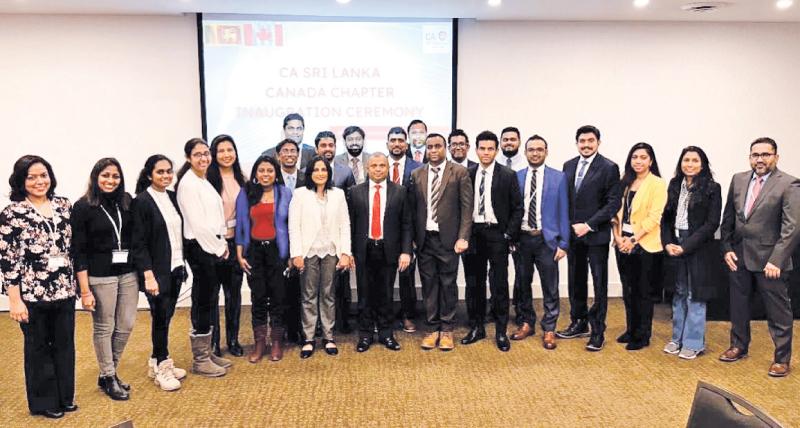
304, 219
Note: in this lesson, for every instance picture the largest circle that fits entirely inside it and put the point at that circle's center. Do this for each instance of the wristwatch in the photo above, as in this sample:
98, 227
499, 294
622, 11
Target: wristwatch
633, 239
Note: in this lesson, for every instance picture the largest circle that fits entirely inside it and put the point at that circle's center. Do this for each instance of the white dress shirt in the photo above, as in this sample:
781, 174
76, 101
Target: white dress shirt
401, 165
527, 200
429, 223
464, 163
372, 190
203, 215
518, 161
174, 225
488, 216
589, 161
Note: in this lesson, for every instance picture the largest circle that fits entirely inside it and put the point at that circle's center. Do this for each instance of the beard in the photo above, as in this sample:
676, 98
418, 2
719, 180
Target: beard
510, 153
355, 151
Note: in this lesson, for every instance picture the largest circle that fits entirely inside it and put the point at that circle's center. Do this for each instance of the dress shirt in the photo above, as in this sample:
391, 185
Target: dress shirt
203, 215
421, 154
518, 161
401, 165
589, 161
464, 163
488, 216
286, 175
429, 223
753, 178
383, 206
174, 226
527, 201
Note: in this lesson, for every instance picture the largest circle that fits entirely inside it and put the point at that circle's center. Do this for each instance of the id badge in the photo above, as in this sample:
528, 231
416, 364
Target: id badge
231, 224
56, 261
119, 257
627, 228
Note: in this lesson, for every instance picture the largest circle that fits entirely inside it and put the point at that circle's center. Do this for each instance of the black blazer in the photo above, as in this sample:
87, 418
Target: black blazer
598, 199
397, 226
702, 255
150, 247
506, 198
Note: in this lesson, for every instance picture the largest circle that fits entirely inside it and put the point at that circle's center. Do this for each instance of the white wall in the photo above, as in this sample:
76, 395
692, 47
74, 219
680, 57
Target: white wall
718, 86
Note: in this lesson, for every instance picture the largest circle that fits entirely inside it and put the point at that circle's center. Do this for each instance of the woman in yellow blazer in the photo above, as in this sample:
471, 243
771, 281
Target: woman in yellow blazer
637, 238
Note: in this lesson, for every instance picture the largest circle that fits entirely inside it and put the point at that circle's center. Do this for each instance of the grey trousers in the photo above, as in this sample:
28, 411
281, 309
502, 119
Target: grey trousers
116, 299
318, 297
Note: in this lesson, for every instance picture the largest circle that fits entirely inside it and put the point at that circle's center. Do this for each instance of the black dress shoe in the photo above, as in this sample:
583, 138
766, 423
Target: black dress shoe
235, 349
122, 384
390, 343
51, 413
475, 334
635, 345
595, 343
112, 388
71, 407
306, 353
216, 350
363, 344
503, 343
624, 337
330, 350
577, 328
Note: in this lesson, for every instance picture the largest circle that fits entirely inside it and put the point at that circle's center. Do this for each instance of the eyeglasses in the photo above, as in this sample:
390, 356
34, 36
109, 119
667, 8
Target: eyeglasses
288, 151
765, 156
200, 155
458, 144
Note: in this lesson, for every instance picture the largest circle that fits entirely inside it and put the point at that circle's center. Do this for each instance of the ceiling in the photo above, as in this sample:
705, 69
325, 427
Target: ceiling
535, 10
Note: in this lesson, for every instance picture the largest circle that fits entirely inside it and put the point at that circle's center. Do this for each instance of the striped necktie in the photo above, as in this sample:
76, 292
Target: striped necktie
532, 223
435, 194
481, 198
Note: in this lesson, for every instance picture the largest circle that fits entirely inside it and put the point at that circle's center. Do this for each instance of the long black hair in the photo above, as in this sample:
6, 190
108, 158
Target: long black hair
144, 180
20, 173
94, 196
630, 174
253, 187
213, 175
310, 185
700, 183
187, 150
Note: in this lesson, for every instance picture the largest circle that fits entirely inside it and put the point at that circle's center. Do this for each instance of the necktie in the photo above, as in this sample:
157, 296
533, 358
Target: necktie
481, 198
753, 195
290, 182
580, 174
532, 223
418, 156
508, 162
356, 170
375, 229
396, 173
435, 194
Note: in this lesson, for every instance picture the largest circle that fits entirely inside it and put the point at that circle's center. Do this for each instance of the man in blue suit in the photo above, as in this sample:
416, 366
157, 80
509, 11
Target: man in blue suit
400, 168
544, 238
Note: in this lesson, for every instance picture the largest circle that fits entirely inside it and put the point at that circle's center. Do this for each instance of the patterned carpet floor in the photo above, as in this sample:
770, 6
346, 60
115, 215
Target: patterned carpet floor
474, 385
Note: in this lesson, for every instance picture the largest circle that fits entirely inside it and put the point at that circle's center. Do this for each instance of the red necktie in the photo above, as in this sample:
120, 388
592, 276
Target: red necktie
753, 195
375, 230
396, 173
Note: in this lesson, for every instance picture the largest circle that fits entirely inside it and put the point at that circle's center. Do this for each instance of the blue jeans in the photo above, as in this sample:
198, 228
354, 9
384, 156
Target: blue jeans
688, 316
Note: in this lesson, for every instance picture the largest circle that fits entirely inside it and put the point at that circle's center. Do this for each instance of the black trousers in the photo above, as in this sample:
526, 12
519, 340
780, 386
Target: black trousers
267, 283
489, 246
408, 291
640, 273
516, 293
230, 277
341, 281
205, 286
438, 267
775, 294
162, 308
374, 282
535, 254
292, 309
49, 354
580, 258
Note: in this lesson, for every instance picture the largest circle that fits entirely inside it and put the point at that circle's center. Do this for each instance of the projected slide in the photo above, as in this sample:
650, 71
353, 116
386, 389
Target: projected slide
371, 74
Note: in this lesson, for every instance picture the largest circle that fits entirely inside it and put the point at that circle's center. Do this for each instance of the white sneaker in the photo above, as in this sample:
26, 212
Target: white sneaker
165, 378
180, 374
672, 348
689, 354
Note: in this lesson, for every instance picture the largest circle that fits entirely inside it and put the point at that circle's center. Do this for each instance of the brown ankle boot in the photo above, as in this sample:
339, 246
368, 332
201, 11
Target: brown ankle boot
275, 352
260, 334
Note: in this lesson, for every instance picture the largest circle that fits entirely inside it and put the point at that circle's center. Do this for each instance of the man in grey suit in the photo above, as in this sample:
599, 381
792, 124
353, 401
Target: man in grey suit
443, 202
355, 158
293, 129
759, 234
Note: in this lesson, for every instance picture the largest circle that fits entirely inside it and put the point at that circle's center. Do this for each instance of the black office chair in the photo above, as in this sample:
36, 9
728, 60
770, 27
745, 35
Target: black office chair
714, 407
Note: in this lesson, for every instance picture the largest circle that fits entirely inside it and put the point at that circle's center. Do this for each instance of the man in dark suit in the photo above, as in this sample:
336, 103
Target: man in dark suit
380, 220
496, 217
293, 129
325, 143
458, 145
287, 153
759, 234
417, 131
442, 195
544, 238
400, 169
594, 198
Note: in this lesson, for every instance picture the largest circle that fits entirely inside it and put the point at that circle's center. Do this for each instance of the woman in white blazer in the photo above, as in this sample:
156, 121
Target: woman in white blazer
319, 244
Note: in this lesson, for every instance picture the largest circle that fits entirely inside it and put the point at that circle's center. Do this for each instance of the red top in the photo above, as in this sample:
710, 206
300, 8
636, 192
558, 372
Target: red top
263, 220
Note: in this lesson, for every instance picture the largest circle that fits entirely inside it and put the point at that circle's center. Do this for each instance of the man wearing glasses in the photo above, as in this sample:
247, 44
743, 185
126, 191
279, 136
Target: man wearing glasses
759, 234
458, 144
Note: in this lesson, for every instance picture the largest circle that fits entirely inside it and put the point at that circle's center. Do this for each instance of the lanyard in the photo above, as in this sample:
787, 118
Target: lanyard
117, 229
52, 230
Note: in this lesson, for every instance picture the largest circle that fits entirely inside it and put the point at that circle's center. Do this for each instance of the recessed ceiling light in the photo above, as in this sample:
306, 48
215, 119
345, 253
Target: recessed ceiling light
494, 3
342, 1
641, 3
784, 4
